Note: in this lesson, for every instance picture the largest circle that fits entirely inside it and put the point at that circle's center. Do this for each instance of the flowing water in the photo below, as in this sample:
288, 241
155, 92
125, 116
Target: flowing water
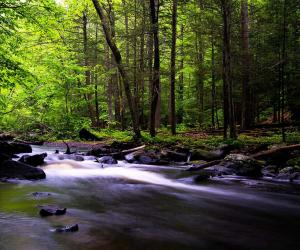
143, 207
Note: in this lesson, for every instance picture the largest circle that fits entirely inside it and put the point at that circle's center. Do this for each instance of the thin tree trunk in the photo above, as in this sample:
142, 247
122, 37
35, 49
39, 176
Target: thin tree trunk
173, 68
88, 96
154, 10
213, 81
97, 112
227, 80
142, 65
181, 79
283, 73
246, 103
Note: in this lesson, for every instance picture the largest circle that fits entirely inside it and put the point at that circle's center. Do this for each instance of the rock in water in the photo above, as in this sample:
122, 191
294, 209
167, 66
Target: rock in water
4, 157
14, 148
19, 170
107, 160
243, 165
33, 160
52, 210
72, 228
84, 134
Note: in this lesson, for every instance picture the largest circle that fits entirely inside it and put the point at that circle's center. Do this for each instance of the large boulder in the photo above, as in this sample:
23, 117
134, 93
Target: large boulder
145, 157
84, 134
170, 155
107, 160
205, 155
243, 165
4, 157
100, 150
19, 170
34, 160
14, 148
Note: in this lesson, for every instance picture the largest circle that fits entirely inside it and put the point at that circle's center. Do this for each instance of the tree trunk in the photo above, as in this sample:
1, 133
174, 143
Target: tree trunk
118, 60
181, 80
154, 10
213, 81
229, 119
88, 96
173, 68
246, 104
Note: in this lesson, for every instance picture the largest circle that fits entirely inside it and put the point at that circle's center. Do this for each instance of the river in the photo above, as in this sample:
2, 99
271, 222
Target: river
144, 207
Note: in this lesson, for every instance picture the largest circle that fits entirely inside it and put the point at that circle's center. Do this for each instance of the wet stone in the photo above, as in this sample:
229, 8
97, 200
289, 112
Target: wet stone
67, 229
51, 210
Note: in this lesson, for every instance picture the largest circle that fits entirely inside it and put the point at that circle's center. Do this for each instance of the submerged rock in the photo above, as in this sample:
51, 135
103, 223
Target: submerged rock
19, 170
107, 160
243, 165
72, 228
71, 157
34, 160
52, 210
40, 194
202, 176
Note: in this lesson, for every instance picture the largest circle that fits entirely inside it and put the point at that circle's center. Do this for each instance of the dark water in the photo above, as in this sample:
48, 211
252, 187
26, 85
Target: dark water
143, 207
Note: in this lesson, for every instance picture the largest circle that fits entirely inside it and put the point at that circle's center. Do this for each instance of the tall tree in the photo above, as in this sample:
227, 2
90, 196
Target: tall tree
118, 60
173, 68
229, 119
155, 89
246, 105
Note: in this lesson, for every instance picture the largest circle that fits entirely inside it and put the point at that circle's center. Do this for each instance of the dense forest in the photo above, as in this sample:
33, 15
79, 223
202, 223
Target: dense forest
148, 65
149, 124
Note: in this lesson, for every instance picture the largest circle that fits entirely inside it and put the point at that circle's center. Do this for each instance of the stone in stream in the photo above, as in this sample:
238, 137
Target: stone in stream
67, 229
174, 156
289, 174
34, 160
14, 148
243, 165
202, 176
107, 160
19, 170
40, 195
201, 154
4, 157
71, 157
51, 210
145, 157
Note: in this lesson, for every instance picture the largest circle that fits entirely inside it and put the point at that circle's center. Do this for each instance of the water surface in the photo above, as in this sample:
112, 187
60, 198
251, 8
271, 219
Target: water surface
144, 207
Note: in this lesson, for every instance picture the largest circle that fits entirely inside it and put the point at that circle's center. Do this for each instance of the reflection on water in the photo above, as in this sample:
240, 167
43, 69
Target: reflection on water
141, 207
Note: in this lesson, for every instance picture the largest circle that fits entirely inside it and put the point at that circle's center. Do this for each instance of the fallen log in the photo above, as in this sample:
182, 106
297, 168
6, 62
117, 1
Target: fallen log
120, 154
271, 152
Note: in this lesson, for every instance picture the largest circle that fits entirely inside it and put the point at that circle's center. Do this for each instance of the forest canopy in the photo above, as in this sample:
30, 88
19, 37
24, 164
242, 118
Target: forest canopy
148, 64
